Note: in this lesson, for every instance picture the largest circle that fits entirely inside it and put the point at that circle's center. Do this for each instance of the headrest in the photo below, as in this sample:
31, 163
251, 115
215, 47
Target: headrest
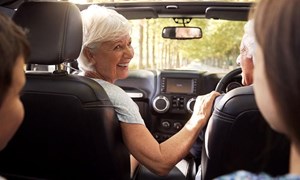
237, 101
227, 108
54, 31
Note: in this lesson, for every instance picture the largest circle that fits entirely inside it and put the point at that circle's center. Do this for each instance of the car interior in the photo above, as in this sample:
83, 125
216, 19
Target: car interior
71, 131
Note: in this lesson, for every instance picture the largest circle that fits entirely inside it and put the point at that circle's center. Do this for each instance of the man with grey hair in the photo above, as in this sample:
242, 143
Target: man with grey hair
246, 57
246, 61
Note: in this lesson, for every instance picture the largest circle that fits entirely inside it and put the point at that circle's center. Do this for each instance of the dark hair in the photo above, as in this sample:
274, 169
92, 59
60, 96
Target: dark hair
13, 43
277, 30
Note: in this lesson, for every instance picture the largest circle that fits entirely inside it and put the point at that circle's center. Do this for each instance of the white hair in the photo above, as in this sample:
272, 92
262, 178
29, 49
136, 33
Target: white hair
100, 24
248, 42
249, 39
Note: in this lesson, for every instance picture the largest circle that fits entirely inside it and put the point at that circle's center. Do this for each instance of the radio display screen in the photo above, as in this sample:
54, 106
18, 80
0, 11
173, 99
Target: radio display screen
179, 85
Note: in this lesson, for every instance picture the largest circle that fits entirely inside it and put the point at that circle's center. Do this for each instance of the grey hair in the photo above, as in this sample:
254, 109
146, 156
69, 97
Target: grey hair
248, 41
249, 38
100, 24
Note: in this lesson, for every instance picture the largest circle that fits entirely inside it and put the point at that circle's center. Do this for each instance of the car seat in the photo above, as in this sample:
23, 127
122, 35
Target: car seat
183, 170
70, 130
238, 138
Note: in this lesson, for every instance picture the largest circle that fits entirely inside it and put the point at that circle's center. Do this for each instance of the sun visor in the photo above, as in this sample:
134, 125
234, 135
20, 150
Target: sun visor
135, 13
228, 13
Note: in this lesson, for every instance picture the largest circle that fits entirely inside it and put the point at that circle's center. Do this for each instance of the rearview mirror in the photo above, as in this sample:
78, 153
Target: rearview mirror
182, 32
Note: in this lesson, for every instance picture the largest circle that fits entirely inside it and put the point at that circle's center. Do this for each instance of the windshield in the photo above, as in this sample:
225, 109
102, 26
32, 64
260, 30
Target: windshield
217, 50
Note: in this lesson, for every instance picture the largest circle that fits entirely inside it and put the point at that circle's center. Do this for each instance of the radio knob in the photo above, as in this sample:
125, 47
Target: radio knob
166, 124
177, 126
190, 104
161, 104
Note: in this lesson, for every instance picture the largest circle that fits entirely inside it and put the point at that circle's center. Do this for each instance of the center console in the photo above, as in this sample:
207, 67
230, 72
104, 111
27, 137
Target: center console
174, 102
176, 95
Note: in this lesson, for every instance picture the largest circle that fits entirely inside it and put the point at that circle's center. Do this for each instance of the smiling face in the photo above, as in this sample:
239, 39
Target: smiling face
112, 58
12, 111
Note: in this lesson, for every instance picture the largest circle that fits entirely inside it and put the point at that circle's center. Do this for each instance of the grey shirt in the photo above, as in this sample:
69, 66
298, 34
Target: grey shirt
126, 109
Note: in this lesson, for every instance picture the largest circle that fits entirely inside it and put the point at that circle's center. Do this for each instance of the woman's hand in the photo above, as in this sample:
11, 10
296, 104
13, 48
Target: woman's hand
203, 108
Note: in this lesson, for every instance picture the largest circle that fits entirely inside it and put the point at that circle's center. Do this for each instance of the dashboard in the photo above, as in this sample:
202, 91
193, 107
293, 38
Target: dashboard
166, 97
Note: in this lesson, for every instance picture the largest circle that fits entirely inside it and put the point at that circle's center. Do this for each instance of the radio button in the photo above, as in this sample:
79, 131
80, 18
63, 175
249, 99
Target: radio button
177, 125
161, 104
190, 105
166, 124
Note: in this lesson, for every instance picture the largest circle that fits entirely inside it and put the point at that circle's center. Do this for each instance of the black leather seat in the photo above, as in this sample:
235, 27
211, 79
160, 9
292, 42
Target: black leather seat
70, 130
238, 138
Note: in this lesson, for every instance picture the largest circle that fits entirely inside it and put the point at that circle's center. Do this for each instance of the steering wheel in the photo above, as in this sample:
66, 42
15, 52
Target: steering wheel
222, 84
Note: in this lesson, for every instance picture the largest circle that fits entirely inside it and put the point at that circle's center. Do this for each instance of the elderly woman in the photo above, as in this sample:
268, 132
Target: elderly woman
276, 76
105, 56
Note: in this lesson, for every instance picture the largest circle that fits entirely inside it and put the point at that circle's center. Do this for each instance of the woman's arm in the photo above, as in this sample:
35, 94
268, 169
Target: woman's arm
161, 158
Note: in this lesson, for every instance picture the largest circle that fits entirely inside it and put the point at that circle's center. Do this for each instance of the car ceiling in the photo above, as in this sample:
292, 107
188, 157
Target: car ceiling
139, 10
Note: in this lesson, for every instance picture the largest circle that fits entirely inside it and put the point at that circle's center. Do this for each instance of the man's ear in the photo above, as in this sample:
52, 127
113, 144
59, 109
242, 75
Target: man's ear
89, 55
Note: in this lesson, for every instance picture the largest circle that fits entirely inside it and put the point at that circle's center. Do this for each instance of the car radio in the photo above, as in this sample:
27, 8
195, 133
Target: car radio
177, 95
178, 85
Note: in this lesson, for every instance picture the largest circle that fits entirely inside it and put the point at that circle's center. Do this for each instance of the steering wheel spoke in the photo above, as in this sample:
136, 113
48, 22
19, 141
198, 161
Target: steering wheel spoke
222, 86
